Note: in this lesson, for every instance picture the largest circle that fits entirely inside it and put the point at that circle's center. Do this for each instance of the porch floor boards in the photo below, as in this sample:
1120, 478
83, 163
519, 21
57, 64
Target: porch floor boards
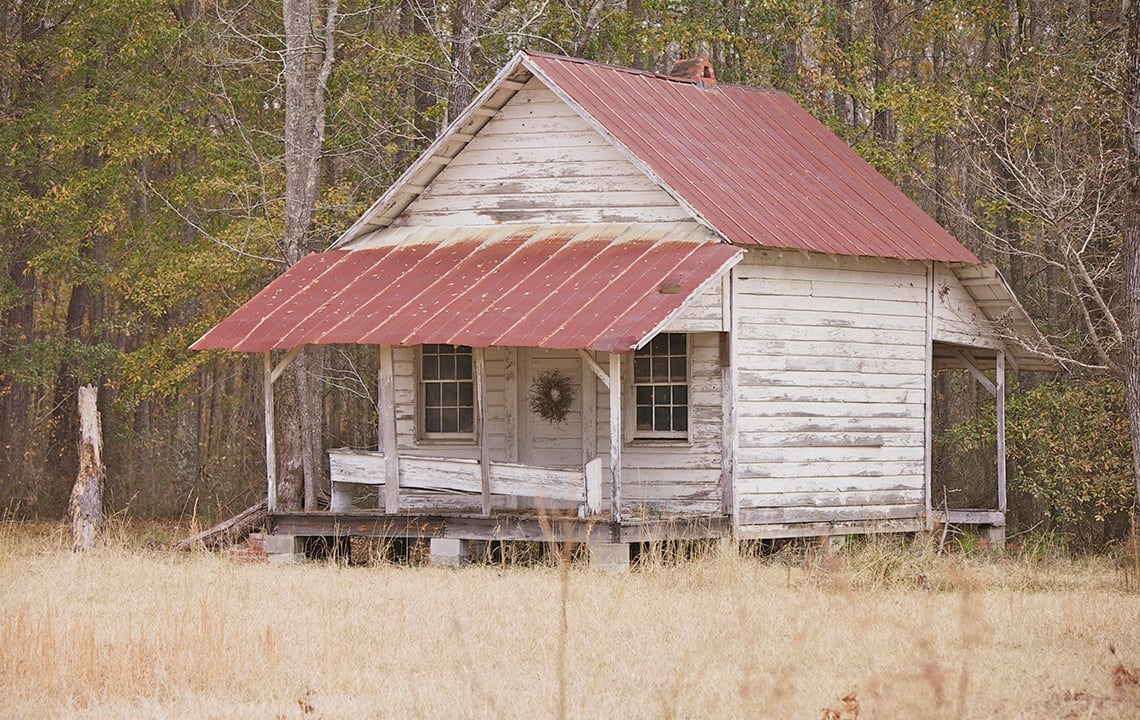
499, 526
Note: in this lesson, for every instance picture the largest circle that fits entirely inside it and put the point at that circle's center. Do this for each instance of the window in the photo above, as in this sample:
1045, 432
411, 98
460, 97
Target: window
661, 386
448, 390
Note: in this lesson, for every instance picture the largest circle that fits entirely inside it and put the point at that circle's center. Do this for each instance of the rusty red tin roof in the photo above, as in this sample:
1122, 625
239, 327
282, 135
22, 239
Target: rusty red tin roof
602, 287
750, 164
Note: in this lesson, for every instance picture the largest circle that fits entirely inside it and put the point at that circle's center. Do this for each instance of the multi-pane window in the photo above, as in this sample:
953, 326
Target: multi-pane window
448, 389
661, 384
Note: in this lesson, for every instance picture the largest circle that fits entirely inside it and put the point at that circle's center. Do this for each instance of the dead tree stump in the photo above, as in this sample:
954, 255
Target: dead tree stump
85, 508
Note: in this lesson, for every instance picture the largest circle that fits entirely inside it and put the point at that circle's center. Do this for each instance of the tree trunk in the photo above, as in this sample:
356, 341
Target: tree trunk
309, 54
85, 509
844, 101
1131, 249
464, 39
66, 385
412, 24
883, 120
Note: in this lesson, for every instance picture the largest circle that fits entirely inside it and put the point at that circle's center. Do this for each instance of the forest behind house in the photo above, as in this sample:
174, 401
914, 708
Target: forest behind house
143, 198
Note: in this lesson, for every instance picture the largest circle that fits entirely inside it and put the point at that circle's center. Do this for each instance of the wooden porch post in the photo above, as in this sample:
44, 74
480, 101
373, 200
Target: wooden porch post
615, 437
928, 402
386, 412
589, 411
999, 401
270, 441
511, 403
481, 418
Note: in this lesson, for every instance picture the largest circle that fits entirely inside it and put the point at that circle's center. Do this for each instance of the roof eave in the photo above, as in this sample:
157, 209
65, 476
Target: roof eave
1023, 339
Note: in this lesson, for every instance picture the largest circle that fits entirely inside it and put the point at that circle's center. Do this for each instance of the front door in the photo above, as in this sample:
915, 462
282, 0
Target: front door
546, 441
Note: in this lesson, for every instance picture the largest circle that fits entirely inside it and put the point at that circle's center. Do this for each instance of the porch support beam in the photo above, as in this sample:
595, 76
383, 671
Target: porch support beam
593, 365
980, 376
479, 358
999, 401
386, 412
728, 443
511, 404
285, 361
928, 401
270, 441
615, 436
590, 408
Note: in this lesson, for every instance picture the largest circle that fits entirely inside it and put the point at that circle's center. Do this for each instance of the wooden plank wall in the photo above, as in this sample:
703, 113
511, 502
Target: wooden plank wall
683, 477
830, 390
404, 363
538, 161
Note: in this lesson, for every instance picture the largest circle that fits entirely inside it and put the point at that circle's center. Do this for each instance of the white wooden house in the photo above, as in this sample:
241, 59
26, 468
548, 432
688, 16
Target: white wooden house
659, 305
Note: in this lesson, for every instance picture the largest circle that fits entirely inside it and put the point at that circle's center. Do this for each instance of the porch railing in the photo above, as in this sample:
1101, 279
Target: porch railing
452, 477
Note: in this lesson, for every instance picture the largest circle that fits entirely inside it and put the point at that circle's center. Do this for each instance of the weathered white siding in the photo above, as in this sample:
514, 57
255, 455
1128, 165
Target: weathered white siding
538, 161
407, 435
682, 476
957, 317
707, 312
830, 381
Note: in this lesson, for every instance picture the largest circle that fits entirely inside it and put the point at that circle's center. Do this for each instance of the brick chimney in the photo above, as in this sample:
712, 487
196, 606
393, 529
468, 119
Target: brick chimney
697, 70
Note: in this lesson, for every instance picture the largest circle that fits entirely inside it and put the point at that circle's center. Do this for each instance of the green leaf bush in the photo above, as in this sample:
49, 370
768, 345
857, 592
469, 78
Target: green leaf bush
1068, 447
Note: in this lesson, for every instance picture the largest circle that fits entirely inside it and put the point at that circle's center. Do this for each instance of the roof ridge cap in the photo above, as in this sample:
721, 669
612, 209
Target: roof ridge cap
648, 73
607, 66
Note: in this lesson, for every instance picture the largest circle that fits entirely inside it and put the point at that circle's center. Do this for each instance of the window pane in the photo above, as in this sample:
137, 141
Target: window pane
432, 420
430, 366
644, 394
644, 417
447, 366
662, 395
659, 345
660, 369
450, 420
676, 343
680, 418
681, 394
466, 419
677, 371
640, 368
661, 418
463, 366
450, 394
432, 395
467, 394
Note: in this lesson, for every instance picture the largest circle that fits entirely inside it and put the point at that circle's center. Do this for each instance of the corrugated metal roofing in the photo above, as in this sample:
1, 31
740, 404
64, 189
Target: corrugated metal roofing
751, 163
602, 287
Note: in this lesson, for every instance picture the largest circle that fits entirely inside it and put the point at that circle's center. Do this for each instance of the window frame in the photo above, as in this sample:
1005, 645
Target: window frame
636, 436
442, 438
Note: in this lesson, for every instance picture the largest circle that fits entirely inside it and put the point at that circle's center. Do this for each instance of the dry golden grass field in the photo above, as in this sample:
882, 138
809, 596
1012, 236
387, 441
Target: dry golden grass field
880, 631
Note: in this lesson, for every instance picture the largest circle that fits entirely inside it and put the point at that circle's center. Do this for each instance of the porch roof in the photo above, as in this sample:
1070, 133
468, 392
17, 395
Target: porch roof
607, 287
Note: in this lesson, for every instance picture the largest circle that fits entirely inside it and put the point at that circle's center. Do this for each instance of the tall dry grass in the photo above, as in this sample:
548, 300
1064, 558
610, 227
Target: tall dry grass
879, 631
